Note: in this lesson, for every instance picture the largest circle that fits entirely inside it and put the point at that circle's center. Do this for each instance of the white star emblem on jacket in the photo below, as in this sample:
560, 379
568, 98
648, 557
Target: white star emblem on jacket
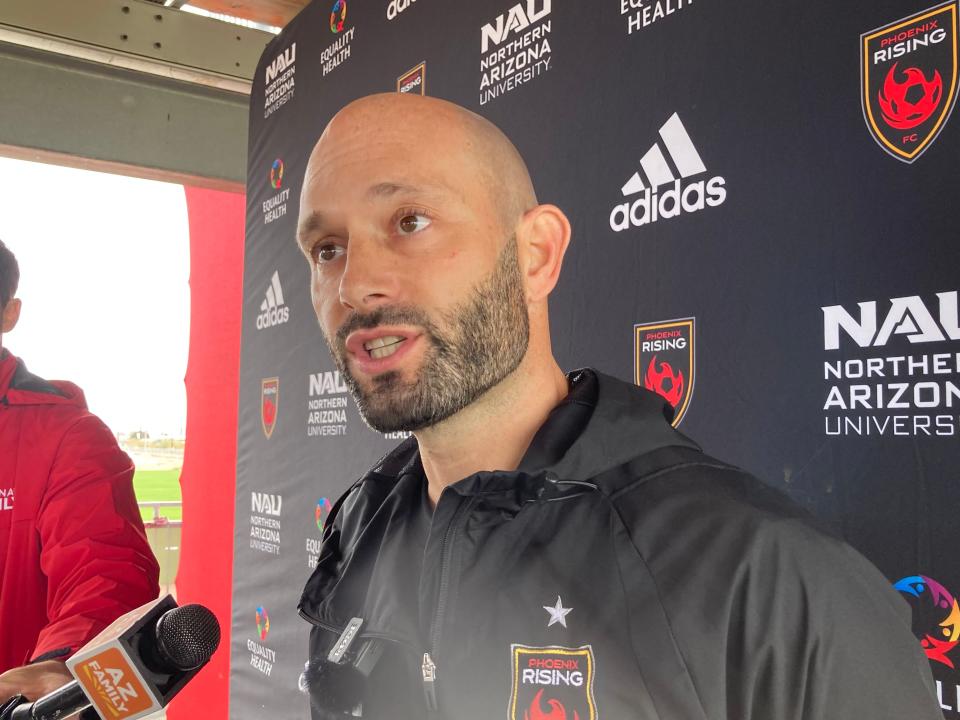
558, 613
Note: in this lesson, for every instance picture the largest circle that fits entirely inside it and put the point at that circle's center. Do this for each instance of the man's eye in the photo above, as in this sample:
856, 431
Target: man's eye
411, 223
323, 254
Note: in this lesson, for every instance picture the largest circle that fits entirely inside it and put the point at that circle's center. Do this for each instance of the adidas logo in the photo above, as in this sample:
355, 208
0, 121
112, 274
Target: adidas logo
656, 171
272, 310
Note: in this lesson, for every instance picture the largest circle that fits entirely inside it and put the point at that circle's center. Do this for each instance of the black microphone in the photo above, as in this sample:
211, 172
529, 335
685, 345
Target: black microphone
135, 666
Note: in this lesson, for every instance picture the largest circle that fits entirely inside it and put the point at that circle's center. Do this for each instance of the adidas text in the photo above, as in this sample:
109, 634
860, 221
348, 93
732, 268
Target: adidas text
652, 206
273, 316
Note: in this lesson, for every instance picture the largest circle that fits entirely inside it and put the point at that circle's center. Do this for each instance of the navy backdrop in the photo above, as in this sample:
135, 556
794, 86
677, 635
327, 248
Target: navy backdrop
769, 190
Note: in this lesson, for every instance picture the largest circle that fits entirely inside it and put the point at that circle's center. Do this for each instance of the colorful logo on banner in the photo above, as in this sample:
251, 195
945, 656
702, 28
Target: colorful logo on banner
338, 16
942, 637
909, 79
322, 511
665, 188
269, 404
665, 361
263, 623
552, 683
414, 80
276, 174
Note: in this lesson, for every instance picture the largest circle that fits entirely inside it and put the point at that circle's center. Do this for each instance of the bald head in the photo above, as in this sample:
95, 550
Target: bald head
461, 143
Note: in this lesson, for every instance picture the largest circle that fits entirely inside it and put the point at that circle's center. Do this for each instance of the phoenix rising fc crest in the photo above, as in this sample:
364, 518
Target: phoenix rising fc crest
664, 361
269, 404
414, 80
552, 683
909, 79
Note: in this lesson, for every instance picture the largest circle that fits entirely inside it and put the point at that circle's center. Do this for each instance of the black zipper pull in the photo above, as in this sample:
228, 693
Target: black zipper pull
429, 669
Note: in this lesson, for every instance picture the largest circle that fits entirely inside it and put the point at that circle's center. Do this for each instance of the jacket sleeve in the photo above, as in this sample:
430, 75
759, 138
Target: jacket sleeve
820, 634
776, 618
94, 550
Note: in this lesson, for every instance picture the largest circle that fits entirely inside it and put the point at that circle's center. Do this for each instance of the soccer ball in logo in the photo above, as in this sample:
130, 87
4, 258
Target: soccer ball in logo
909, 103
338, 16
322, 511
276, 174
263, 622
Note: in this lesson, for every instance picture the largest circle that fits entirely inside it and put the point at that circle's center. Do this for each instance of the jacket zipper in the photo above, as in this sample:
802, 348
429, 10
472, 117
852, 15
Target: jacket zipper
429, 666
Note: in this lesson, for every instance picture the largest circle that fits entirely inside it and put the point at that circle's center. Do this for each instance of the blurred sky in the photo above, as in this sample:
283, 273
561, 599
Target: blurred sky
104, 266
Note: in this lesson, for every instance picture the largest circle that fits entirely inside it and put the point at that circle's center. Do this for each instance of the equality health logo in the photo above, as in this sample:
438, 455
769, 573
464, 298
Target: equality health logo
937, 614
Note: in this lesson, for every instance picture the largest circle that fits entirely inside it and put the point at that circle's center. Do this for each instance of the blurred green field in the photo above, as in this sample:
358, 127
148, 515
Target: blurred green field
155, 485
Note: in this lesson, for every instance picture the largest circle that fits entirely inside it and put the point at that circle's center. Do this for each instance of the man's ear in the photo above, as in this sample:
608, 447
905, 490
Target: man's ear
542, 238
11, 313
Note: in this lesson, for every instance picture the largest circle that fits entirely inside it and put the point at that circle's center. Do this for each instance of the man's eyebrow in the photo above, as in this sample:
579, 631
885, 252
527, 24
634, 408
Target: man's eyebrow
310, 224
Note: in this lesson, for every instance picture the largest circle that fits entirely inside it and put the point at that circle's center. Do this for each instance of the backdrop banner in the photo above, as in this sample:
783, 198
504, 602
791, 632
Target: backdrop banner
764, 199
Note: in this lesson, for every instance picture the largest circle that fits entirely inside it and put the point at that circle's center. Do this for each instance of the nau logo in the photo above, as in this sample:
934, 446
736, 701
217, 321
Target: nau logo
328, 382
665, 363
515, 20
266, 504
908, 316
656, 171
269, 404
284, 60
414, 80
552, 683
909, 79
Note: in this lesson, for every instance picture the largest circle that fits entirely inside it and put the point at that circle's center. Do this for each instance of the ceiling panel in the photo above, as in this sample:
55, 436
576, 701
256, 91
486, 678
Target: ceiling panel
269, 12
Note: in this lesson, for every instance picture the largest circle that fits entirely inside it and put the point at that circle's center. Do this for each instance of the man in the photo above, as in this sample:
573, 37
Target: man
73, 551
547, 546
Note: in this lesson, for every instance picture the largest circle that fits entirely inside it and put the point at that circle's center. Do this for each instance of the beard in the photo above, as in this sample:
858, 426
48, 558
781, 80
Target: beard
479, 343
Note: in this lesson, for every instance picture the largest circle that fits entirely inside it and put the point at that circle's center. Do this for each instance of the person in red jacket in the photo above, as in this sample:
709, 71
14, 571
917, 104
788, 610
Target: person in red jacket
73, 552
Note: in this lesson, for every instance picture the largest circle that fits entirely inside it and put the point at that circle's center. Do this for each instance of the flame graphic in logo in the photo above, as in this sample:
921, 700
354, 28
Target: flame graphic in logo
557, 711
656, 380
901, 112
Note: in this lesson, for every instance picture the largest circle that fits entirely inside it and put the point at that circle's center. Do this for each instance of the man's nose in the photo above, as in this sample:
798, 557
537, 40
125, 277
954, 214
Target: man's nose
370, 276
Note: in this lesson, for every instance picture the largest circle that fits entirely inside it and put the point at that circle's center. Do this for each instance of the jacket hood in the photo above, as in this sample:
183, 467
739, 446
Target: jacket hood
626, 422
18, 386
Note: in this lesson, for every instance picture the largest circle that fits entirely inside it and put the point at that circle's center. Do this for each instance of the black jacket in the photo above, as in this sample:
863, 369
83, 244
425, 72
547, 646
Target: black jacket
618, 573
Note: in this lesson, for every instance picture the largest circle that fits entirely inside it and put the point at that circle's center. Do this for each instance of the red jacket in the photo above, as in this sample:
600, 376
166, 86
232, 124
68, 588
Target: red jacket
73, 552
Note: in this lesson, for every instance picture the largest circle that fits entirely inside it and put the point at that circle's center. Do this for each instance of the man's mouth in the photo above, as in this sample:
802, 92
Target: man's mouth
385, 346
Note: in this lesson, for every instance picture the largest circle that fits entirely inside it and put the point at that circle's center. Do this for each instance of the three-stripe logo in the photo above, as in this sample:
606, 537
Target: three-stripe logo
673, 168
273, 311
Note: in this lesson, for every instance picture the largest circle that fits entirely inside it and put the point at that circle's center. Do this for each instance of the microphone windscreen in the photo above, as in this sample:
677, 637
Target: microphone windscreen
187, 636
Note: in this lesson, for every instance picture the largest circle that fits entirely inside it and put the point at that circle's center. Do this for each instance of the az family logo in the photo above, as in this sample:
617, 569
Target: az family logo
908, 83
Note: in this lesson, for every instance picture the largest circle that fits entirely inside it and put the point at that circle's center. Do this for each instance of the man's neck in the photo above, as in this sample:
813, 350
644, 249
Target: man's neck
495, 431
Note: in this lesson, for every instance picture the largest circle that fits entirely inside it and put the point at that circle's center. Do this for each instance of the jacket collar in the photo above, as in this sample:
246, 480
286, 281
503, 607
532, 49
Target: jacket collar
18, 386
601, 424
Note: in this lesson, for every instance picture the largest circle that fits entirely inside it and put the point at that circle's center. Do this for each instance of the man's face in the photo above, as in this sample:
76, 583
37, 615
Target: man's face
418, 292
